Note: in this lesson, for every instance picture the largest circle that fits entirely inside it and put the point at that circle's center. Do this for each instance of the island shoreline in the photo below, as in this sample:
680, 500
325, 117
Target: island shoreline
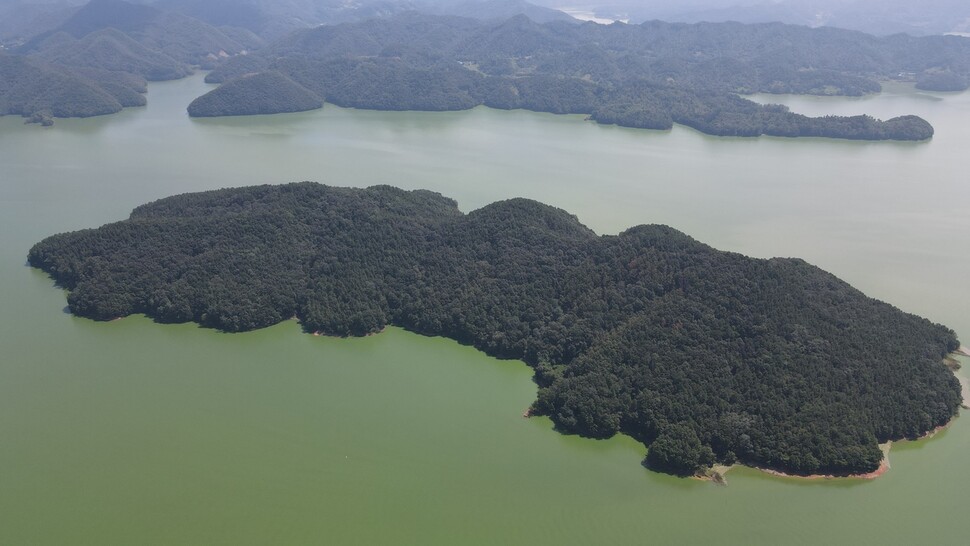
717, 473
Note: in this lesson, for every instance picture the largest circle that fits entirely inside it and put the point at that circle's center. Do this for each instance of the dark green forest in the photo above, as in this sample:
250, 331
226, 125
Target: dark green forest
30, 87
700, 354
646, 76
113, 51
263, 93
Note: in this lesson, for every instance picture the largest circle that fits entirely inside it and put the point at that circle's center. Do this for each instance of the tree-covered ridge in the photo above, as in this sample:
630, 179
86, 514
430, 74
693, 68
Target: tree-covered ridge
263, 93
156, 35
647, 76
32, 88
97, 57
703, 355
273, 19
113, 51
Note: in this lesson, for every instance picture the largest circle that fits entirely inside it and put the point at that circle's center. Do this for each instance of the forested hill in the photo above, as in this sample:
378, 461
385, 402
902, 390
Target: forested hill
157, 36
263, 93
98, 56
648, 76
273, 19
40, 91
703, 355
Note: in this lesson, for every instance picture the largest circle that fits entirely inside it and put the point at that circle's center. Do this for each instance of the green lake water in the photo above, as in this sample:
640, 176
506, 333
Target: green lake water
130, 432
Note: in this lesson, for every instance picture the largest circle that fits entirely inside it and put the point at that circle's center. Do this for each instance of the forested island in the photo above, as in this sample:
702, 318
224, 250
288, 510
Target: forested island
705, 356
645, 76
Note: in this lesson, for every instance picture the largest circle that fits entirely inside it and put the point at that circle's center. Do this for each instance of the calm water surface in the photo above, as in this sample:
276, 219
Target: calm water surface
132, 432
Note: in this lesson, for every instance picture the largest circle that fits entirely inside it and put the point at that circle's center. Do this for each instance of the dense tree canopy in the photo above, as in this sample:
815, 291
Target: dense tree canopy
114, 51
30, 86
98, 58
263, 93
646, 76
156, 44
703, 355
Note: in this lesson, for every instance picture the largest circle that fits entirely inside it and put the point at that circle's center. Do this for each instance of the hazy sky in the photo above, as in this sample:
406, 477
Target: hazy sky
874, 16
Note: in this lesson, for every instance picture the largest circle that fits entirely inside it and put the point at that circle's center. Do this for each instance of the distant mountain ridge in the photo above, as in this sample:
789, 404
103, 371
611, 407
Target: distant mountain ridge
103, 51
21, 21
104, 37
113, 50
645, 76
878, 17
273, 19
32, 88
185, 40
499, 9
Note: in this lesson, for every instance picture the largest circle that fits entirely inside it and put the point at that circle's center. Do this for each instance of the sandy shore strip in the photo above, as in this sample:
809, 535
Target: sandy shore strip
883, 468
717, 473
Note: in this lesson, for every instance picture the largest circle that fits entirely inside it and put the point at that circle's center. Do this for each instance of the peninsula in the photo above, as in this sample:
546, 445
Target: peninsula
704, 356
